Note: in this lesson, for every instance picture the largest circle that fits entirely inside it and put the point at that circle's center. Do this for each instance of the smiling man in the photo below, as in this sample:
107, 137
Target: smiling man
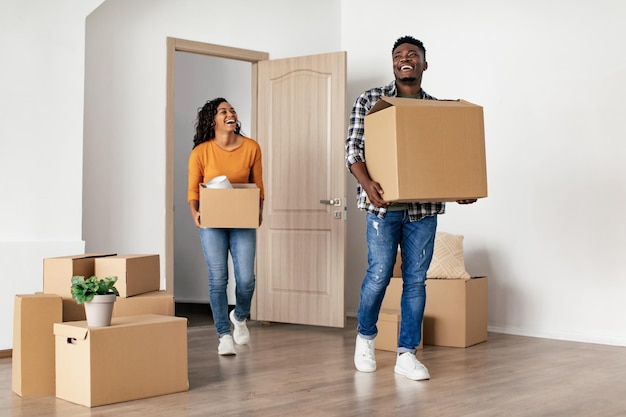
410, 225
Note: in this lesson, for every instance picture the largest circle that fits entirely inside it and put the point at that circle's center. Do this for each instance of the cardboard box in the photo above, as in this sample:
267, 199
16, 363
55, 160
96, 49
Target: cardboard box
136, 357
236, 207
155, 302
393, 295
397, 267
136, 274
456, 312
389, 330
426, 150
58, 272
33, 343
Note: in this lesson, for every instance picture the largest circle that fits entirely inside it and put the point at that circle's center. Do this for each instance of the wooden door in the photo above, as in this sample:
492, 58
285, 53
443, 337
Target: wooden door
301, 244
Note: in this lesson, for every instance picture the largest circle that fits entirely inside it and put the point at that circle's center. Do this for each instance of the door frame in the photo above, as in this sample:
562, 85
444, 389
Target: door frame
183, 45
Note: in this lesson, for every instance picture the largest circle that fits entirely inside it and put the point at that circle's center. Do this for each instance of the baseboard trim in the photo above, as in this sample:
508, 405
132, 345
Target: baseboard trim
7, 353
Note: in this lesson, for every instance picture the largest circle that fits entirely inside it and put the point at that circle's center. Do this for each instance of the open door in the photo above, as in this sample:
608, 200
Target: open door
301, 244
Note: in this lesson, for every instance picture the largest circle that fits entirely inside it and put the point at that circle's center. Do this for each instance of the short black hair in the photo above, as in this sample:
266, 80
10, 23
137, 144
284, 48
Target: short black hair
412, 41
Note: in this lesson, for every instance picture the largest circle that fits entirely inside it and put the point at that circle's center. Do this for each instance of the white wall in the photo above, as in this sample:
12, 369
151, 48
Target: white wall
41, 142
551, 77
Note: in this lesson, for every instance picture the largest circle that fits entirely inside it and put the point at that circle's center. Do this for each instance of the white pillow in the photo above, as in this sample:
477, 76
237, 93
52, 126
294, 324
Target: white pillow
448, 259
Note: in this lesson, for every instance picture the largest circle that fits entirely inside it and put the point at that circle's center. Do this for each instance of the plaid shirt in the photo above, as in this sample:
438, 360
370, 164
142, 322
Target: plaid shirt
355, 151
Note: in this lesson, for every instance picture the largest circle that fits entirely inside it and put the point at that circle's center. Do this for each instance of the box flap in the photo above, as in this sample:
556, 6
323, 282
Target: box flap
67, 330
385, 102
83, 256
235, 185
382, 103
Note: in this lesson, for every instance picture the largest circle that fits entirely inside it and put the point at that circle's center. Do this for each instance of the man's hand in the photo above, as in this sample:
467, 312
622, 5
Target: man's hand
375, 194
471, 201
372, 188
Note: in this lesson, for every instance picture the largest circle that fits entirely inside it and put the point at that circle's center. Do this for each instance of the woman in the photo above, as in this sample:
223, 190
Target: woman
220, 149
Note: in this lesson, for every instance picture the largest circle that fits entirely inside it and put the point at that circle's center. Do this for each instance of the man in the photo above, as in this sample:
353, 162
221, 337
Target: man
410, 225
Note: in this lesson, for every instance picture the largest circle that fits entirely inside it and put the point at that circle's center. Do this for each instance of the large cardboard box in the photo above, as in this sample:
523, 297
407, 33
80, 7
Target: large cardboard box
58, 272
426, 150
136, 274
136, 357
456, 312
155, 302
389, 330
236, 207
33, 343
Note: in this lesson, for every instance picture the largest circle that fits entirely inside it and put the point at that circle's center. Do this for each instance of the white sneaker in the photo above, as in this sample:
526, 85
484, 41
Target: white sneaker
408, 365
226, 346
364, 359
241, 333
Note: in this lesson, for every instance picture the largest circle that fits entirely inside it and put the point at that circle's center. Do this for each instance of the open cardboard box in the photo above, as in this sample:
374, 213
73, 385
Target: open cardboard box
236, 207
426, 150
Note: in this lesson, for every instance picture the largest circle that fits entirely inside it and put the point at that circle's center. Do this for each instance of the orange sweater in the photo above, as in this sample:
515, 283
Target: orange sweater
241, 165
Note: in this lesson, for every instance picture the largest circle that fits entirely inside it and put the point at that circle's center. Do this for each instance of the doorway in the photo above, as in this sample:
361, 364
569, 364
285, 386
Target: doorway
210, 71
199, 78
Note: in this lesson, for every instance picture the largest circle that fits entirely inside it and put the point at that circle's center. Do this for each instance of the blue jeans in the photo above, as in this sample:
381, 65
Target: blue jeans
417, 241
242, 245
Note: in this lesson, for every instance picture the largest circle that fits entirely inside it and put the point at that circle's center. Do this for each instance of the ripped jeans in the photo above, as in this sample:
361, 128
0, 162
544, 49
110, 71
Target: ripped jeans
417, 241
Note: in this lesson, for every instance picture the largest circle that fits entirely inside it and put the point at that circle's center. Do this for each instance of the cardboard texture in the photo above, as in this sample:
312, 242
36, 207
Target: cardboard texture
389, 330
58, 272
456, 312
136, 274
236, 207
155, 302
146, 356
33, 344
397, 268
426, 150
393, 294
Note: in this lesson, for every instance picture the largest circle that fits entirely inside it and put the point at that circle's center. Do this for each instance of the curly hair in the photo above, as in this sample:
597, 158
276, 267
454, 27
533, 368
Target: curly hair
206, 121
412, 41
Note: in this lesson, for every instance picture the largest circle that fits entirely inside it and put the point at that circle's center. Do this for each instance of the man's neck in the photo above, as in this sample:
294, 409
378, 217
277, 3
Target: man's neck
408, 88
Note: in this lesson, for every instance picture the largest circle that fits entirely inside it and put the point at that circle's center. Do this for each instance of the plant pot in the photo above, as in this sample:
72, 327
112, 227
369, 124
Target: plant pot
100, 310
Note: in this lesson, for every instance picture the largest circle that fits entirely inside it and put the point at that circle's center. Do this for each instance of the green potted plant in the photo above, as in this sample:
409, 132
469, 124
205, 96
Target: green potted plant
98, 295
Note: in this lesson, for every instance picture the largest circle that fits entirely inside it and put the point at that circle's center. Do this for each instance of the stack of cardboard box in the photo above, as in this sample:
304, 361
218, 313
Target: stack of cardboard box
56, 353
455, 314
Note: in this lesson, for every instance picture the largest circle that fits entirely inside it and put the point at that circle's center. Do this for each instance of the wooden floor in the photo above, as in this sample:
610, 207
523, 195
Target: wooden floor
290, 370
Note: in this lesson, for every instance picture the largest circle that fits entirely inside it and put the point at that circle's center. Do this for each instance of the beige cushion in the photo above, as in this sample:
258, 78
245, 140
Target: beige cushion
448, 259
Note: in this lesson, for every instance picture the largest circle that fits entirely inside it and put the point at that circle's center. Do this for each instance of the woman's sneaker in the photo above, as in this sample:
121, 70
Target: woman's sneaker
408, 365
241, 333
226, 346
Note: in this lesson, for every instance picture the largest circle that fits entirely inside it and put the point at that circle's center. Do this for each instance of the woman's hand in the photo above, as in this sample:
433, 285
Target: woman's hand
194, 209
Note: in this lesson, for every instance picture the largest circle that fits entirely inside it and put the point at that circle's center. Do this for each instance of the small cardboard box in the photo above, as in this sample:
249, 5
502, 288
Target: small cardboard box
389, 330
155, 302
236, 207
145, 356
58, 272
136, 274
456, 312
426, 150
393, 295
33, 343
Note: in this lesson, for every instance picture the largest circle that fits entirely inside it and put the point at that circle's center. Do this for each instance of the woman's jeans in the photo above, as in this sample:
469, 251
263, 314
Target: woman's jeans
417, 240
242, 245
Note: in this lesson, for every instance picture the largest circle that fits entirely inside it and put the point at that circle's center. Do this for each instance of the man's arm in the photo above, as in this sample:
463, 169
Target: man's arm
372, 188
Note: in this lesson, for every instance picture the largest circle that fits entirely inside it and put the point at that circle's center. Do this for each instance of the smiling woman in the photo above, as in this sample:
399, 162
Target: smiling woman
220, 150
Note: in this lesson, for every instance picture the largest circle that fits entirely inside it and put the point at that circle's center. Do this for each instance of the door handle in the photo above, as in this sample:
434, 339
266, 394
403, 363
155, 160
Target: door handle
332, 202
